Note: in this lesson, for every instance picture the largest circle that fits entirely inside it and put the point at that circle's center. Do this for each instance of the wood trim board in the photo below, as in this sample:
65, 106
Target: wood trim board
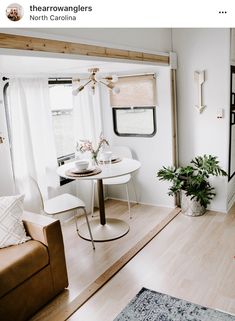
10, 41
174, 125
66, 310
174, 118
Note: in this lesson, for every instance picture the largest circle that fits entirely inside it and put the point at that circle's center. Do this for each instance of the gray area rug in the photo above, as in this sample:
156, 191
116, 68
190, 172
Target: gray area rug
149, 305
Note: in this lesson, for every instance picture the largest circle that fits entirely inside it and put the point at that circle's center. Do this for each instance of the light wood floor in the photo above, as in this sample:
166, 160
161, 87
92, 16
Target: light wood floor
192, 259
85, 265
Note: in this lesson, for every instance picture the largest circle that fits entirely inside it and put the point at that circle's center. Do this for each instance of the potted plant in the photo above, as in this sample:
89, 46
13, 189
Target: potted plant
192, 182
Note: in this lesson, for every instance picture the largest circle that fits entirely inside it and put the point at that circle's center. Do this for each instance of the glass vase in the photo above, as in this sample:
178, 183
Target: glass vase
94, 160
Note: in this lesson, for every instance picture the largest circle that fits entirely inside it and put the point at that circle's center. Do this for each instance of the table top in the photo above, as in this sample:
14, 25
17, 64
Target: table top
125, 166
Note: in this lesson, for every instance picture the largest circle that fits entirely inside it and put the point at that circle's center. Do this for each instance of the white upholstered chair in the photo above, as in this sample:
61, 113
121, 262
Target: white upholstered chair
56, 205
119, 151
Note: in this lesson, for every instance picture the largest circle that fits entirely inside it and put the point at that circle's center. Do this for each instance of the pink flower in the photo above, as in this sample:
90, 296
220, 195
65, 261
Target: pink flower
85, 145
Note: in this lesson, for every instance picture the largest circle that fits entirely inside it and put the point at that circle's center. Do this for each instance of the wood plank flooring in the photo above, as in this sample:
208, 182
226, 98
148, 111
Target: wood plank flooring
85, 265
193, 258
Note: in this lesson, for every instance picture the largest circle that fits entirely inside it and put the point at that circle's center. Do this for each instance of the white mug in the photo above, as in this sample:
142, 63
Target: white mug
106, 156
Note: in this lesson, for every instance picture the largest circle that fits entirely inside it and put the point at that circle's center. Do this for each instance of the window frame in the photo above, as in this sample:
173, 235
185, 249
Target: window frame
115, 127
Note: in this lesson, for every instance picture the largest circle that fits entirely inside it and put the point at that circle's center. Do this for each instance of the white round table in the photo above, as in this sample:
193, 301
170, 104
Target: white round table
104, 229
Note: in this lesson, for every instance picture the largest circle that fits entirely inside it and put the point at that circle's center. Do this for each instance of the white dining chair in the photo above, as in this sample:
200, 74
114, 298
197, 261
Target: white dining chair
119, 151
58, 204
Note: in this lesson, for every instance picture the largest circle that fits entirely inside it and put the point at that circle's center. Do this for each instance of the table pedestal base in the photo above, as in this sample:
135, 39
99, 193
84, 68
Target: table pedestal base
113, 229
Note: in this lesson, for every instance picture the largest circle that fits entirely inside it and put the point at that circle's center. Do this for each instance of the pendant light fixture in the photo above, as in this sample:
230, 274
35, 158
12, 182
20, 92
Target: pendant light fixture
93, 79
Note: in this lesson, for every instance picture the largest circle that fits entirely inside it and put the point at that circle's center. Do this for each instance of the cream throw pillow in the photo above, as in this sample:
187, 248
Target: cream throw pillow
12, 230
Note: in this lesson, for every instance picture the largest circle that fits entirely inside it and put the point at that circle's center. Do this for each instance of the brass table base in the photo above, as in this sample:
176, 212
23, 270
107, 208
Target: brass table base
112, 230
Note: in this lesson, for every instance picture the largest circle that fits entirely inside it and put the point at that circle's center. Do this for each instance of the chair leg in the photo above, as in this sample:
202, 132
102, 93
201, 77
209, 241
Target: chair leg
89, 228
75, 219
88, 225
128, 200
92, 198
133, 185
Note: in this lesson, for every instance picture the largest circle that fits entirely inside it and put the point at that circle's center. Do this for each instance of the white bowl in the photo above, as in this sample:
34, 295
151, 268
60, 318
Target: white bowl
81, 165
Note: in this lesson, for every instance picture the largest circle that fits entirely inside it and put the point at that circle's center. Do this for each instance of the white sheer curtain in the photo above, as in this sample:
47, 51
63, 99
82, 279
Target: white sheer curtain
33, 143
87, 116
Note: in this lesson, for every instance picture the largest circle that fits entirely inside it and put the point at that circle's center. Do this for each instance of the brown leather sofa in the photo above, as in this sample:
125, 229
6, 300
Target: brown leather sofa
32, 273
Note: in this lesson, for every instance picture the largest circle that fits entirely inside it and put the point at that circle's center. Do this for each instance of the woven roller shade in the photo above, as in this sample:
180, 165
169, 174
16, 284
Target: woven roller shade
135, 91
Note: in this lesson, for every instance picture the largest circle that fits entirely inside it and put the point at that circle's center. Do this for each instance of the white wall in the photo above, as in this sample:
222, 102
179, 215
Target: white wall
204, 49
152, 152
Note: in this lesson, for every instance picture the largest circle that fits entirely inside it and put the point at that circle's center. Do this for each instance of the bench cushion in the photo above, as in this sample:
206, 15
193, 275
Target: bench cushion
20, 262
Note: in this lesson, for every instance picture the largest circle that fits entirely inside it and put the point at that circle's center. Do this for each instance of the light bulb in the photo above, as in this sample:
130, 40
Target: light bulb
116, 90
98, 77
77, 90
114, 78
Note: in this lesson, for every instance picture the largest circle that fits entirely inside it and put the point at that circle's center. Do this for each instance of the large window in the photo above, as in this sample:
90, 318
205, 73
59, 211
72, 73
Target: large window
62, 117
134, 108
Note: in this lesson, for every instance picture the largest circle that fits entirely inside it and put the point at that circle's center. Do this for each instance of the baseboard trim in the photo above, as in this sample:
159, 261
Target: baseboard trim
66, 310
230, 203
142, 203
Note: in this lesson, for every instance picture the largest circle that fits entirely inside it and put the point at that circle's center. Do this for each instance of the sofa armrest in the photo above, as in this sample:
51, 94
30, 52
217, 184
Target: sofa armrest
36, 224
48, 231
